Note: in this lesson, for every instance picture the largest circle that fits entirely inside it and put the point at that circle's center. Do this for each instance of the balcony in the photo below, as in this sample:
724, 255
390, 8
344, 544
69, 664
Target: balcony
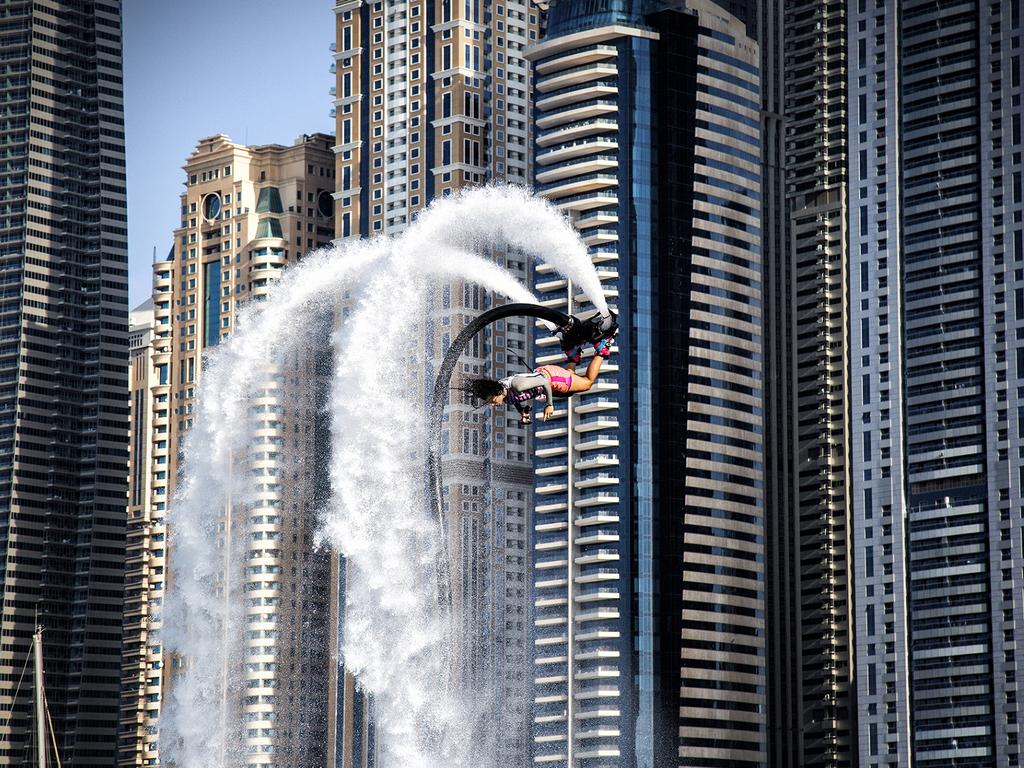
588, 201
556, 640
572, 113
551, 583
598, 712
596, 517
567, 78
578, 167
596, 556
598, 614
550, 680
596, 595
592, 480
551, 285
577, 185
575, 149
551, 506
598, 653
596, 422
594, 237
544, 719
577, 130
593, 575
596, 499
546, 546
576, 57
560, 560
596, 442
550, 488
597, 536
595, 404
591, 91
558, 450
558, 525
598, 460
550, 433
551, 602
595, 218
597, 673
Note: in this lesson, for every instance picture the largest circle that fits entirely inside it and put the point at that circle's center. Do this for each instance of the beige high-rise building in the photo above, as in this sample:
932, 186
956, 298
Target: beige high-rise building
246, 214
433, 96
141, 660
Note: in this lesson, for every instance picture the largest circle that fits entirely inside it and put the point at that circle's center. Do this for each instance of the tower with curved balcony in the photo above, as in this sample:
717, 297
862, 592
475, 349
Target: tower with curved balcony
648, 626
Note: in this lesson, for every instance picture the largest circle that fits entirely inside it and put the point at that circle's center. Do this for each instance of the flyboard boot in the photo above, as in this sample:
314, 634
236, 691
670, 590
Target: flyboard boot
594, 329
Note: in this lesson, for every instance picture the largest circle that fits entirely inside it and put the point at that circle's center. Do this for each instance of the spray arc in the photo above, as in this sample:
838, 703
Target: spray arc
377, 513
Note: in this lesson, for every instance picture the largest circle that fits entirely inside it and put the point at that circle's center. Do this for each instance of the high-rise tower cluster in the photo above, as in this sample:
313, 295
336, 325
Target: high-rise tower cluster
784, 528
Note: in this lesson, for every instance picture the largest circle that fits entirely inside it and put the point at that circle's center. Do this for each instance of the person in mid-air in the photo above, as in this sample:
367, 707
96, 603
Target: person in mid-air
522, 388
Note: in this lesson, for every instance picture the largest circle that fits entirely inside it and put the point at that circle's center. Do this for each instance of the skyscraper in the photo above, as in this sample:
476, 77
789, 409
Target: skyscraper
648, 594
904, 173
432, 97
63, 394
936, 308
807, 407
142, 666
247, 213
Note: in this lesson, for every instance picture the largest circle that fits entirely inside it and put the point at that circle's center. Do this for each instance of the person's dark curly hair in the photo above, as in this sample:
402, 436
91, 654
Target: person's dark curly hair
482, 390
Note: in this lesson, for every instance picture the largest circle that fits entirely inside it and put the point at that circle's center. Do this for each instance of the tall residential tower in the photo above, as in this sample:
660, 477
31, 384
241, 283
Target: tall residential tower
247, 213
63, 372
432, 96
936, 368
898, 561
648, 637
807, 398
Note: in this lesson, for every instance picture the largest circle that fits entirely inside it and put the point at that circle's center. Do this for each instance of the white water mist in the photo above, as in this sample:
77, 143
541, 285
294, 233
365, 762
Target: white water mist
395, 635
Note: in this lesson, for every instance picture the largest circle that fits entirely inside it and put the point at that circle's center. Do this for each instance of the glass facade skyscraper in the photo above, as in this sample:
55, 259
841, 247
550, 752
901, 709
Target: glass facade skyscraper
648, 636
935, 371
907, 301
63, 372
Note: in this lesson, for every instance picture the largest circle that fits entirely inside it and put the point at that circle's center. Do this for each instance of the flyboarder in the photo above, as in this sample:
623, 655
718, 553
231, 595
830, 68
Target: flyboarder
547, 380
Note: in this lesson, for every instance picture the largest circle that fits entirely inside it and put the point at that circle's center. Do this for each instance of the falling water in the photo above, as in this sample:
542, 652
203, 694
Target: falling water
377, 517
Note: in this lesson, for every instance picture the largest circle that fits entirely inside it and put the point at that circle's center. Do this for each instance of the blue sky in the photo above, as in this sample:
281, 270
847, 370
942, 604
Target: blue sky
256, 70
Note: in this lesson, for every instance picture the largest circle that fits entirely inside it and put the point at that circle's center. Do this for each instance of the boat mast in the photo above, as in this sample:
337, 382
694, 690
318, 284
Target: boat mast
37, 647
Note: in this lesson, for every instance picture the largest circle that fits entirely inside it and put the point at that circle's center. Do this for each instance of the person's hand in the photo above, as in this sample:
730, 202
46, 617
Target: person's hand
549, 411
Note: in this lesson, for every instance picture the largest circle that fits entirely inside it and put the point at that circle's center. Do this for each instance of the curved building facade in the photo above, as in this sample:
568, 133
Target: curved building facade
648, 515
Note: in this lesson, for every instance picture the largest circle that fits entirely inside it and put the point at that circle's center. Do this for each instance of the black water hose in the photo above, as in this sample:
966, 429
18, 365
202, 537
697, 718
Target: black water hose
440, 398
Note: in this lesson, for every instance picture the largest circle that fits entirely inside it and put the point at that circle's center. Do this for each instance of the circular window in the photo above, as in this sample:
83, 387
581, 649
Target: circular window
325, 205
211, 207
